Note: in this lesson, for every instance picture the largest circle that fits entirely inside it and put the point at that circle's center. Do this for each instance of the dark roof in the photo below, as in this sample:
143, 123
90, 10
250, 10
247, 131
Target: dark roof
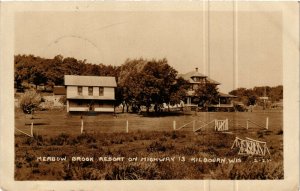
59, 90
105, 81
194, 74
211, 81
188, 76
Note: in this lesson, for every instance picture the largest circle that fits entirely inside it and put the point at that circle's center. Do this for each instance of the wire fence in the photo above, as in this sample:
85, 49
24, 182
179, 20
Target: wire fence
57, 124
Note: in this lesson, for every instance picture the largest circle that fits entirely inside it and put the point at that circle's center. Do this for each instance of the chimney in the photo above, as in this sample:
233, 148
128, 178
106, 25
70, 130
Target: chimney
196, 69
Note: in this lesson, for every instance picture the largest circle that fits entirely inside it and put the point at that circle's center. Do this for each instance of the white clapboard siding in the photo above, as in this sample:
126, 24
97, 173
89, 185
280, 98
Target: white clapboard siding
78, 109
105, 109
108, 93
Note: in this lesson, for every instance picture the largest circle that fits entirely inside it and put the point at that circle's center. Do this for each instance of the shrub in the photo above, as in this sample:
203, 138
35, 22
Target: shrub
93, 146
29, 101
211, 150
60, 140
174, 135
29, 141
35, 171
86, 138
133, 172
29, 157
163, 139
158, 146
189, 150
18, 164
63, 100
260, 171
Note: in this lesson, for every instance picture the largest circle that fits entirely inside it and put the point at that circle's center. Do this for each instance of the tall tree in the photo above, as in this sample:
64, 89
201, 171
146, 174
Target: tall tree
129, 82
207, 94
150, 82
178, 91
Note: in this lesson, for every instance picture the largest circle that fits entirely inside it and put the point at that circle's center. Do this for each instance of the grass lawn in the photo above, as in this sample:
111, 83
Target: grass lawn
205, 154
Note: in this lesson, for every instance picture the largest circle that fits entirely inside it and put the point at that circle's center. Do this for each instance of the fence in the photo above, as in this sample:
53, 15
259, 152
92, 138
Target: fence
85, 126
258, 125
23, 132
219, 125
205, 125
174, 125
75, 124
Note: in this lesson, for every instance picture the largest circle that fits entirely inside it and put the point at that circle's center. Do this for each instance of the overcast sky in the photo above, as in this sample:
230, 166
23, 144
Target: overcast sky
111, 37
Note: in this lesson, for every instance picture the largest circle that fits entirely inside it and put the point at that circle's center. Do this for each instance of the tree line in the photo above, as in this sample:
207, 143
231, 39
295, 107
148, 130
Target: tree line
37, 70
140, 82
251, 96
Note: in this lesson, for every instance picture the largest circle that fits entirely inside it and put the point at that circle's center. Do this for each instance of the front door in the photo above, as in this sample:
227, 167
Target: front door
91, 106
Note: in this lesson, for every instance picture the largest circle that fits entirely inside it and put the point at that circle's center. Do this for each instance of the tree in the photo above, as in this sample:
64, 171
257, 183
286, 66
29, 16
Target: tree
276, 93
29, 101
38, 77
128, 81
250, 96
150, 82
207, 94
157, 82
178, 90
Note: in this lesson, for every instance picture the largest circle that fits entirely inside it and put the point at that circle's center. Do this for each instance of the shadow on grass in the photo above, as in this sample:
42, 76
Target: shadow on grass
28, 124
163, 114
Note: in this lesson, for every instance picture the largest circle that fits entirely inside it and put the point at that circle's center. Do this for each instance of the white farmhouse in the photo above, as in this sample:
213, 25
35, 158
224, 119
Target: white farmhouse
90, 93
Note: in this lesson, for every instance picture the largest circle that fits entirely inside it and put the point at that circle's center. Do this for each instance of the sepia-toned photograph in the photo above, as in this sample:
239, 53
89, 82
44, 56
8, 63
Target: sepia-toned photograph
127, 95
150, 94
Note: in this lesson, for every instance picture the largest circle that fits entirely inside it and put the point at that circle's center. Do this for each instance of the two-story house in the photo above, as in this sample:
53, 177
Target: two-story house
196, 80
90, 93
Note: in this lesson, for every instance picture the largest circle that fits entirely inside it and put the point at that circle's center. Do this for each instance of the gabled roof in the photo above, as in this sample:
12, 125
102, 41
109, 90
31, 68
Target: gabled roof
104, 81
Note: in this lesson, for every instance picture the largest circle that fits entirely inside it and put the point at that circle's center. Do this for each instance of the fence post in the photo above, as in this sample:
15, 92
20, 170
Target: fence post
31, 129
216, 125
247, 126
81, 130
127, 126
226, 124
194, 122
267, 123
174, 125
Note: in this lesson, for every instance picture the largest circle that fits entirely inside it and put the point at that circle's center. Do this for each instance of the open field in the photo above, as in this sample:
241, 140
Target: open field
57, 134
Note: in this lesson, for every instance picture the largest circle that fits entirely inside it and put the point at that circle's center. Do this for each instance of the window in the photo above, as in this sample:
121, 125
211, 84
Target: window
196, 79
79, 90
90, 91
101, 91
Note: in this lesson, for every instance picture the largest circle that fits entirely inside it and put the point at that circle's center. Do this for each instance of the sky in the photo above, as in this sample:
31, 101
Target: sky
183, 37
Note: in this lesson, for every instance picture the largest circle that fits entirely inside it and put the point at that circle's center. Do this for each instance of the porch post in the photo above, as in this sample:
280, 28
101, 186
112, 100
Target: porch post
114, 106
68, 106
189, 101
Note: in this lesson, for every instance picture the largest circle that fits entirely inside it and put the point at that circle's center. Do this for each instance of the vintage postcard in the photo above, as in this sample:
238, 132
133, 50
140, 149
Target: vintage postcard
150, 95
